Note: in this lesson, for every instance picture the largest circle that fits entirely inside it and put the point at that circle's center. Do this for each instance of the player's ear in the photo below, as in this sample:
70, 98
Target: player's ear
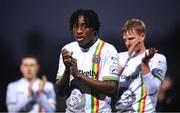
21, 67
142, 36
38, 68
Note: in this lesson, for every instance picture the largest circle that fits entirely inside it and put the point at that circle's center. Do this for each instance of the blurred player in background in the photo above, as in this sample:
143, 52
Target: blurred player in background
88, 67
165, 96
30, 94
141, 71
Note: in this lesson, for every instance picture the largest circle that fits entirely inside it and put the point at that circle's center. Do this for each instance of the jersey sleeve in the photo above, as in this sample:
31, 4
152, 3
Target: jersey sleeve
13, 103
109, 69
159, 67
61, 68
122, 58
48, 98
10, 95
154, 78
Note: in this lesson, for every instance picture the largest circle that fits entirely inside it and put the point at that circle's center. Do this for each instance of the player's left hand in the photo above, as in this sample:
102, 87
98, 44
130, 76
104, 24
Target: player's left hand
144, 64
149, 55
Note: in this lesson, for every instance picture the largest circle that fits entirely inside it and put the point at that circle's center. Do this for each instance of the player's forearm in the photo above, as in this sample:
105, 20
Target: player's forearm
21, 106
47, 105
120, 69
107, 87
62, 84
145, 68
152, 84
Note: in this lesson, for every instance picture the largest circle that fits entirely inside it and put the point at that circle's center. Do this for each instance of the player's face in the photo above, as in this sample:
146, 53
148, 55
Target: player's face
82, 33
29, 68
131, 37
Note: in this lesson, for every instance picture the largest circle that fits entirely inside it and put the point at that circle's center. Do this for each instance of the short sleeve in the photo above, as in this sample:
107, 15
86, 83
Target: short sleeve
159, 67
109, 69
122, 58
61, 68
48, 98
10, 94
14, 104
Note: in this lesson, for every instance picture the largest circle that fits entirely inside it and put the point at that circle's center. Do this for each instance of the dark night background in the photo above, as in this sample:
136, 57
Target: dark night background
41, 27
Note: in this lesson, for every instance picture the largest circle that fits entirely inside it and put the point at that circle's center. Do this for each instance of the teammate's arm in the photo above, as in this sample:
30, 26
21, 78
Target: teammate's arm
153, 78
48, 99
131, 52
47, 96
14, 104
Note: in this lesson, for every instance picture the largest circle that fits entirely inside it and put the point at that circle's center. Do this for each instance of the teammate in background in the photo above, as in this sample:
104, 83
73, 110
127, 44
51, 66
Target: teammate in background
30, 94
165, 96
88, 67
141, 71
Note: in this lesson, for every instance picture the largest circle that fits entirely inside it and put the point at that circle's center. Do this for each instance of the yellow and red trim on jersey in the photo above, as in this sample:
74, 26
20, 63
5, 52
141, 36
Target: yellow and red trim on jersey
96, 68
142, 103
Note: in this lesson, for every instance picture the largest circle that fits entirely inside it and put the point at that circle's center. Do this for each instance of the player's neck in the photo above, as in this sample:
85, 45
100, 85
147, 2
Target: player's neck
141, 50
31, 79
90, 43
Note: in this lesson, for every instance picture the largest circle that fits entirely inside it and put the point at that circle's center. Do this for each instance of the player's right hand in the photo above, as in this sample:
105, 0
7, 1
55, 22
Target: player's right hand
67, 56
132, 50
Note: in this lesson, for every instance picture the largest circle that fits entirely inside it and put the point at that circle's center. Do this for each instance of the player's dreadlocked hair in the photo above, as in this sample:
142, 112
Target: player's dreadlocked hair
91, 19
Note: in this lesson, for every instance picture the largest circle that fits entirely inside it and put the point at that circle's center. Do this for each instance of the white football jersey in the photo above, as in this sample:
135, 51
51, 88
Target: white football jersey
99, 62
138, 93
18, 92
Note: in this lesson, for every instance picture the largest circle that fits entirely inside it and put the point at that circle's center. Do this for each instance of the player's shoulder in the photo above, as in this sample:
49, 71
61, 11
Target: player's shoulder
71, 45
159, 59
49, 85
123, 54
14, 84
159, 56
108, 46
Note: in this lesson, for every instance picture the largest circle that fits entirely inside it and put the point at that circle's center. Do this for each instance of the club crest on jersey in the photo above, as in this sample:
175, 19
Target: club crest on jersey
96, 59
